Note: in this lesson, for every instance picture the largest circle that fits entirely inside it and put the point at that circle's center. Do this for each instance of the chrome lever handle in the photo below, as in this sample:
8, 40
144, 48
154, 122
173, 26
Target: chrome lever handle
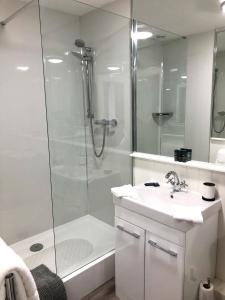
183, 184
170, 252
171, 181
136, 235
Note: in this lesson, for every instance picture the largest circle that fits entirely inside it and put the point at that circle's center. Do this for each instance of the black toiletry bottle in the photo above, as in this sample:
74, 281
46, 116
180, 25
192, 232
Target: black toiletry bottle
189, 153
180, 155
176, 155
183, 157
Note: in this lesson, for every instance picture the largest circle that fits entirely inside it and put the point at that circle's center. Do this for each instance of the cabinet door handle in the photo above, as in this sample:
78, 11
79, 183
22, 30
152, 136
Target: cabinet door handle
170, 252
136, 235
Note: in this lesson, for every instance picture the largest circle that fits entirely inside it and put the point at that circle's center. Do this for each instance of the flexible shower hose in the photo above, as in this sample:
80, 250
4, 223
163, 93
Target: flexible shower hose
219, 131
97, 154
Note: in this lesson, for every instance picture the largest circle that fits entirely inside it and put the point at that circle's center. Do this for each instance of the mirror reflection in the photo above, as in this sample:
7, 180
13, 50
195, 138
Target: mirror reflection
161, 90
179, 88
218, 128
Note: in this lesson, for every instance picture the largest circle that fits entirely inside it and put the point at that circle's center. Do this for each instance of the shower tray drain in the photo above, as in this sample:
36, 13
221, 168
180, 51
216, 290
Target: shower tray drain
36, 247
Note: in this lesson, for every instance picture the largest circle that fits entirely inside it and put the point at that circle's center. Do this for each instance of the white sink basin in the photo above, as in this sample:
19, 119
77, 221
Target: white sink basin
157, 204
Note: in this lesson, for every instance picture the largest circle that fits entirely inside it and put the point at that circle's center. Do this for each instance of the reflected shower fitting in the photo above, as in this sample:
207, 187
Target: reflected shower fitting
86, 56
220, 113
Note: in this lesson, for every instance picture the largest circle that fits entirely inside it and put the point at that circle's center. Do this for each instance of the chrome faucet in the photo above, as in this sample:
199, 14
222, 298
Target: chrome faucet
177, 184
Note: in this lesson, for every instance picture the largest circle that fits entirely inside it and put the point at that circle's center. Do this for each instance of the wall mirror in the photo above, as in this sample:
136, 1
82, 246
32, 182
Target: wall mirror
179, 78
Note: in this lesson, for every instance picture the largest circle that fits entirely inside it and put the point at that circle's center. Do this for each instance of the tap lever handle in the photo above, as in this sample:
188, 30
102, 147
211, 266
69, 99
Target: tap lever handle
183, 184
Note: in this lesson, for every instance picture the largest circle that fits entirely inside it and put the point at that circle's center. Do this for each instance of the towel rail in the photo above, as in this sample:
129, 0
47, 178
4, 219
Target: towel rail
9, 287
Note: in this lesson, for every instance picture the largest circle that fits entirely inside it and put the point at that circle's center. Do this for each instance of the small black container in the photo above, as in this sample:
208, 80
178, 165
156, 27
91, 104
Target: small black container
189, 153
176, 155
183, 157
180, 155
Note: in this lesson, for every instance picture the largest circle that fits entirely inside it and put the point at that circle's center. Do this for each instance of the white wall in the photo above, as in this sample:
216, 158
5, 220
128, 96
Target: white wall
199, 94
25, 202
153, 171
120, 7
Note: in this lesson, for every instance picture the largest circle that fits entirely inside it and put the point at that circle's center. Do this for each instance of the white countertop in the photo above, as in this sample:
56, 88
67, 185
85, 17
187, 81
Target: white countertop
156, 203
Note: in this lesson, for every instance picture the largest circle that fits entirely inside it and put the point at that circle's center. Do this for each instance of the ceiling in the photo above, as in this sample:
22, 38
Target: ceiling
120, 7
9, 7
159, 36
183, 17
67, 6
74, 7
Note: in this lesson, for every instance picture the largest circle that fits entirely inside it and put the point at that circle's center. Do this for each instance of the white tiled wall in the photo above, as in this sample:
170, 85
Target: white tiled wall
145, 170
25, 202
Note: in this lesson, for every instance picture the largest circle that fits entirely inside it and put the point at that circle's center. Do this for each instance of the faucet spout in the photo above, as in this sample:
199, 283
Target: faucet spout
176, 184
172, 178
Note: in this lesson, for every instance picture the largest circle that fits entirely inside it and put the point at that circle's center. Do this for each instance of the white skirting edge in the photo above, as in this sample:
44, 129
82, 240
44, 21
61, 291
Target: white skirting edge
219, 289
85, 280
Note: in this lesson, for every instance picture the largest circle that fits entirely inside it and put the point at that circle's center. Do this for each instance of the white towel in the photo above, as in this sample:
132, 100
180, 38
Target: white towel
127, 191
10, 262
187, 213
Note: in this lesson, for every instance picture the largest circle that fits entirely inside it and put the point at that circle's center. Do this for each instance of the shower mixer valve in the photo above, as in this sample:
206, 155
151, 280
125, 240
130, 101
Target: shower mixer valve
113, 123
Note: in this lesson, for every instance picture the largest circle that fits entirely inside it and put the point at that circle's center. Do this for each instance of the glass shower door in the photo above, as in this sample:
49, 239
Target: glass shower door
73, 40
66, 130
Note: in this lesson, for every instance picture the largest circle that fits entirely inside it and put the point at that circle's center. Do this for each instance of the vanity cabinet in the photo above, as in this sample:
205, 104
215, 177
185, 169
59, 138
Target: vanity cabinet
164, 269
130, 243
155, 261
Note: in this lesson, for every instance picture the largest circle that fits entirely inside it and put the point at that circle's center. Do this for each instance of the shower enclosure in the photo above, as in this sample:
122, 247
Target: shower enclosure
79, 59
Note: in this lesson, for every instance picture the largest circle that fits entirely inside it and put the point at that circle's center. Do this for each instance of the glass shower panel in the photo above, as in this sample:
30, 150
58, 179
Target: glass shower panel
87, 79
60, 27
25, 196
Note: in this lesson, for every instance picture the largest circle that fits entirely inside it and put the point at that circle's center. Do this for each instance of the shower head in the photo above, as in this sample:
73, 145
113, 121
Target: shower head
79, 43
77, 54
85, 53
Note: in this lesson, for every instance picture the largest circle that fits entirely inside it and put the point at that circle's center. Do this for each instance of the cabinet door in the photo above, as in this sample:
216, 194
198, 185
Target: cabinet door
164, 269
130, 243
